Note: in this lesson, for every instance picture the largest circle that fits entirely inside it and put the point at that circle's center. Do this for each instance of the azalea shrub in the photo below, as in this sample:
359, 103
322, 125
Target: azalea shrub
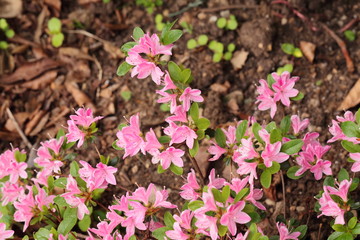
59, 198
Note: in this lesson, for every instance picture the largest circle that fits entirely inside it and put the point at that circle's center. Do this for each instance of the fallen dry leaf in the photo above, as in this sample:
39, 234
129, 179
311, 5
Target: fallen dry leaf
56, 4
114, 51
308, 49
35, 118
80, 97
75, 52
10, 8
40, 126
30, 70
352, 98
83, 2
220, 88
42, 81
20, 118
239, 58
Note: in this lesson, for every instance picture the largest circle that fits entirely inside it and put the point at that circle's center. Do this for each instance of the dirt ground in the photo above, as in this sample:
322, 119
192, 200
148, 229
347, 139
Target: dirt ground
54, 81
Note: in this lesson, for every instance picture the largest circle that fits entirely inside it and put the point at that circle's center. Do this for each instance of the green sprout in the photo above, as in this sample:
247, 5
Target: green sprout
149, 5
187, 27
290, 49
350, 35
191, 43
229, 24
126, 95
106, 1
57, 37
9, 33
202, 40
286, 68
159, 24
4, 45
218, 49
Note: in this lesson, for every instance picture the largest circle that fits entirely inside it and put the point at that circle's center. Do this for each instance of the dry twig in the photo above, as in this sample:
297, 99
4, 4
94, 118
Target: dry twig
18, 129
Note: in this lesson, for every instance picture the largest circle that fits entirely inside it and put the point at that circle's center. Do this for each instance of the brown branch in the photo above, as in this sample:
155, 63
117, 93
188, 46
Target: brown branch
237, 6
349, 24
342, 45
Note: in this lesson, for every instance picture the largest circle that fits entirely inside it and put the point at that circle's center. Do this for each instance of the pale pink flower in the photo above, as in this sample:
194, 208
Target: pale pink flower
342, 189
5, 234
348, 116
179, 115
238, 184
84, 118
168, 83
208, 225
272, 153
265, 98
167, 97
171, 155
297, 124
183, 133
103, 229
284, 87
190, 95
234, 215
214, 181
255, 195
216, 150
10, 192
151, 141
230, 134
191, 187
321, 167
177, 233
330, 208
48, 155
284, 232
356, 166
10, 167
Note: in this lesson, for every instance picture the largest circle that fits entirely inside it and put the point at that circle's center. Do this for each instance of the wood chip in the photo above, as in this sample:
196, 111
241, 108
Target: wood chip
20, 118
40, 125
308, 49
220, 88
42, 81
83, 2
75, 52
10, 8
56, 4
30, 70
352, 98
239, 59
80, 97
35, 118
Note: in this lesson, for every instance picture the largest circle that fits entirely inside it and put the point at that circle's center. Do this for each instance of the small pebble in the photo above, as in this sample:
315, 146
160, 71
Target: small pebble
135, 169
300, 209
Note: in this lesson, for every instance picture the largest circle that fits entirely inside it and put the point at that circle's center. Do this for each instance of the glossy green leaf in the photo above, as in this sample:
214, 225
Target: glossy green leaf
292, 147
123, 69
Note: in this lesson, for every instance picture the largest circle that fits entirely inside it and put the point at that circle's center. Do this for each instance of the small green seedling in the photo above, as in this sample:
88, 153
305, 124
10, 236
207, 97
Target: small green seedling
57, 37
106, 1
229, 24
149, 5
286, 68
126, 95
9, 33
202, 40
350, 35
218, 49
159, 24
187, 27
290, 49
230, 49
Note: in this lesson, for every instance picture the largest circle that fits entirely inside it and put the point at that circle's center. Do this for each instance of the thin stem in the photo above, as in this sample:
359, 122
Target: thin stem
101, 205
97, 150
197, 168
283, 189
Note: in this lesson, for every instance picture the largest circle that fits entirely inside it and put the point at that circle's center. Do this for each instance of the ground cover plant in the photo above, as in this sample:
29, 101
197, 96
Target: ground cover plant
175, 146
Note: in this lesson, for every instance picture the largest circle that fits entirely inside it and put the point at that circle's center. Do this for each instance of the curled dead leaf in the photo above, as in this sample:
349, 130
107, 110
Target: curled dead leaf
352, 98
308, 49
42, 81
80, 97
20, 118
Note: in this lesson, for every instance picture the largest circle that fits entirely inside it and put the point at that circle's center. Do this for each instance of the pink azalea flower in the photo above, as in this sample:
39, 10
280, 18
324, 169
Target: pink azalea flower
171, 155
230, 134
48, 159
9, 166
208, 225
321, 167
284, 232
238, 184
234, 215
191, 187
190, 95
183, 133
284, 87
150, 46
10, 193
5, 234
152, 143
105, 172
356, 166
348, 116
167, 97
254, 196
185, 219
179, 115
103, 229
342, 189
265, 98
177, 233
214, 181
216, 150
84, 117
130, 138
272, 153
168, 83
330, 208
297, 124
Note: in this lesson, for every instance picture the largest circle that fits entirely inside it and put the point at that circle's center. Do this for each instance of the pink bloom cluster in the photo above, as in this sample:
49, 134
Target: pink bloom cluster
329, 207
10, 167
95, 178
151, 47
310, 158
284, 232
79, 126
135, 208
336, 131
5, 234
281, 90
227, 213
299, 125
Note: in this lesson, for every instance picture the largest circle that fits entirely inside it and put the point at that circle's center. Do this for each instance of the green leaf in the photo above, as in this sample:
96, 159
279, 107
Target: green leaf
350, 147
200, 133
270, 80
232, 24
222, 230
288, 48
74, 169
42, 234
350, 35
169, 219
220, 137
160, 233
298, 97
69, 221
265, 179
244, 192
221, 22
329, 181
116, 147
126, 95
60, 182
339, 228
225, 193
3, 24
123, 69
60, 201
203, 39
60, 133
9, 33
231, 47
352, 223
172, 36
185, 75
350, 129
166, 29
195, 205
4, 45
343, 175
217, 194
228, 56
275, 136
127, 46
217, 57
291, 172
302, 229
271, 126
256, 127
356, 230
191, 43
195, 149
297, 53
292, 147
164, 139
54, 25
158, 18
335, 235
285, 125
194, 111
160, 169
137, 33
57, 39
354, 184
175, 71
275, 167
177, 170
241, 130
165, 107
19, 156
288, 67
84, 223
202, 123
